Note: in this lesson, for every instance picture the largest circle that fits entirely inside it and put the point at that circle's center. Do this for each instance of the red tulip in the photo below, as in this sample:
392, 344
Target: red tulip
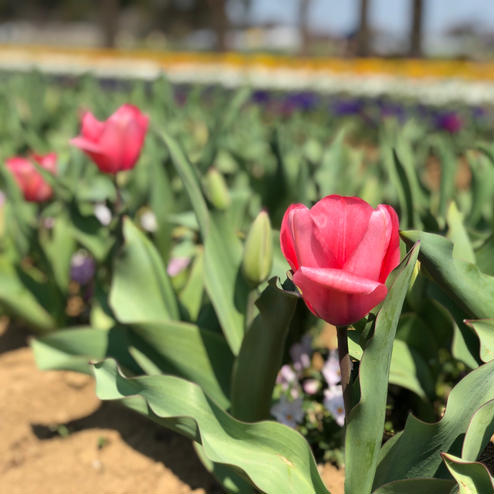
114, 145
30, 180
341, 251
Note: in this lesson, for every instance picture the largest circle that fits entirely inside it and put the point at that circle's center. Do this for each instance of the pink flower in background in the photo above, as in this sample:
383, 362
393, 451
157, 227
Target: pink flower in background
115, 144
341, 251
311, 386
30, 181
177, 265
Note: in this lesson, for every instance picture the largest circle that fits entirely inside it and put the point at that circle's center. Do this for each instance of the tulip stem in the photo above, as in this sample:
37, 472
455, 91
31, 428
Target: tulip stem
345, 367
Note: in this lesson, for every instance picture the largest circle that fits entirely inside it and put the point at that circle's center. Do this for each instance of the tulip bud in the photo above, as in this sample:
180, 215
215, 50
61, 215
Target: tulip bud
258, 251
216, 189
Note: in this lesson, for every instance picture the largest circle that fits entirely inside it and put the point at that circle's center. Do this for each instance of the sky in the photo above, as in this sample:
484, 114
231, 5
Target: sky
340, 17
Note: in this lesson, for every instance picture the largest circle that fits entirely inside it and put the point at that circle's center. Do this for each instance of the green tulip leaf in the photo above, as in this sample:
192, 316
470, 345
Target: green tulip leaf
253, 378
192, 293
19, 301
484, 328
416, 453
222, 253
479, 432
472, 477
462, 247
275, 458
73, 349
185, 350
463, 281
141, 290
415, 486
365, 423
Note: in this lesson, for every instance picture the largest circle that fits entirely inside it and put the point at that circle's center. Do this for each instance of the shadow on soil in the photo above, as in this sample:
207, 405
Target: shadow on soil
144, 436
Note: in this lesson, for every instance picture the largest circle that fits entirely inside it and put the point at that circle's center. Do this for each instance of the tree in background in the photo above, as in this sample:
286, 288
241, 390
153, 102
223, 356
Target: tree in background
416, 28
363, 36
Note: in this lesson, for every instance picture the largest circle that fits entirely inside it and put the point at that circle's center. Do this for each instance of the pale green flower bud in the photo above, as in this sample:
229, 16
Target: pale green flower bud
258, 251
216, 189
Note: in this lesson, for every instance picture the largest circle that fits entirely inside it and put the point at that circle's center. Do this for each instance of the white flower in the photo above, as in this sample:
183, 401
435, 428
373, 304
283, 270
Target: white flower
333, 402
103, 214
288, 412
331, 370
148, 221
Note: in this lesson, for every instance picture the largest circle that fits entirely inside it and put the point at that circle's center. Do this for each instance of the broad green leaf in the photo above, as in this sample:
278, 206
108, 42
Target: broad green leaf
482, 187
275, 458
485, 256
189, 179
192, 293
365, 423
141, 290
226, 287
261, 354
72, 349
479, 432
232, 482
472, 477
484, 328
463, 281
417, 486
462, 248
449, 165
59, 245
409, 370
222, 253
182, 349
20, 302
416, 453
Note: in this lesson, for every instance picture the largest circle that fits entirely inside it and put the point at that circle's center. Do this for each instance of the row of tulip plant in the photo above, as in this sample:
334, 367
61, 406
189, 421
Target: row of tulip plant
161, 271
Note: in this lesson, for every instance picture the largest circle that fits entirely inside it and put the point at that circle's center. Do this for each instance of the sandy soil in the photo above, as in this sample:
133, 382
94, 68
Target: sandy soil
58, 438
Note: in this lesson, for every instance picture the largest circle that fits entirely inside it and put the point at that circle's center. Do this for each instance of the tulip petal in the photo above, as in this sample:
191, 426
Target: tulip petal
342, 222
286, 237
92, 128
307, 242
392, 257
337, 296
367, 257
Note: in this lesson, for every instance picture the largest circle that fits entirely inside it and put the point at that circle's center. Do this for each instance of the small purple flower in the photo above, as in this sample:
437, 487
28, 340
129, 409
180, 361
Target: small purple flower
333, 402
450, 122
288, 412
82, 268
311, 386
177, 265
300, 353
48, 222
347, 107
331, 370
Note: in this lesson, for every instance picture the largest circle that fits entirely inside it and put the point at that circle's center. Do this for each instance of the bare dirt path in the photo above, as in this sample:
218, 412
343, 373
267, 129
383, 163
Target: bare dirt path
58, 438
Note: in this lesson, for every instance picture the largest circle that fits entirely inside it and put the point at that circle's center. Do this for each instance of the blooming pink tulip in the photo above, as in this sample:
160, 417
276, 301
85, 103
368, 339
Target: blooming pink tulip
341, 251
30, 181
114, 145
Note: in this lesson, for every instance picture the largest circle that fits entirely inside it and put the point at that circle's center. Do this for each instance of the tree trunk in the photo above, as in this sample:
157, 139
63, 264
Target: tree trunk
416, 28
220, 23
363, 37
303, 15
109, 22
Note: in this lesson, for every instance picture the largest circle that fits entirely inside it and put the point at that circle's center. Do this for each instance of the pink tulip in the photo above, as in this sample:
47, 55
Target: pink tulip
114, 145
30, 181
341, 251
